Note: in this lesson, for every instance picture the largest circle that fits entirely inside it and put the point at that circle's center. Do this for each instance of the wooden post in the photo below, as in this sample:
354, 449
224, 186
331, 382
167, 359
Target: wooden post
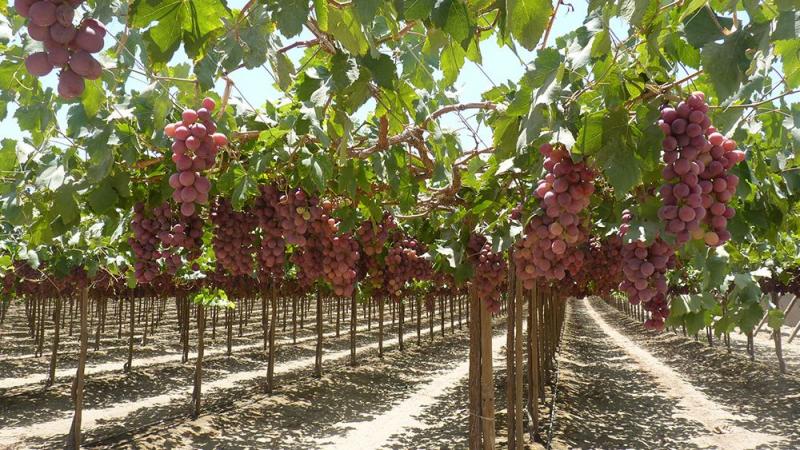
294, 319
56, 335
74, 438
401, 306
511, 373
380, 326
534, 366
475, 372
487, 379
518, 312
264, 322
273, 304
318, 359
353, 312
419, 320
198, 366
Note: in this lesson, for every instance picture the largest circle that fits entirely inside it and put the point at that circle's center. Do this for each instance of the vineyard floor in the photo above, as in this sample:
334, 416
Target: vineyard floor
622, 386
416, 395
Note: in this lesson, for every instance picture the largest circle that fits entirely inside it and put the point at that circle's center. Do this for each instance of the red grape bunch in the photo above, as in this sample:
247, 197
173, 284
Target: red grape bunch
373, 239
194, 149
564, 193
66, 46
719, 186
234, 238
374, 236
489, 271
402, 264
685, 141
604, 262
340, 261
272, 253
147, 232
645, 267
316, 228
295, 210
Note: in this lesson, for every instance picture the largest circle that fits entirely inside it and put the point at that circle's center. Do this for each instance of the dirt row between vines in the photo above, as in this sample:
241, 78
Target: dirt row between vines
117, 402
415, 398
622, 386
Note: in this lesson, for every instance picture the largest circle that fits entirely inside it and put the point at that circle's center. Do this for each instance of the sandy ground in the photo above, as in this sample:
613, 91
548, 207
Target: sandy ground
623, 386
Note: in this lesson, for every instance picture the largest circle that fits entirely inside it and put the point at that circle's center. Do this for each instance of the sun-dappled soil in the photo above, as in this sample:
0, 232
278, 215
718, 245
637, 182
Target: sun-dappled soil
620, 386
623, 386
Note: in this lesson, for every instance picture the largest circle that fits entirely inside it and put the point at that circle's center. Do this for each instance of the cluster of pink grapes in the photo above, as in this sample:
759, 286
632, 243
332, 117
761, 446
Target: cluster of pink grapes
234, 237
645, 267
340, 261
719, 186
402, 264
373, 238
564, 192
272, 253
295, 210
317, 228
65, 46
194, 149
604, 262
489, 271
147, 232
696, 180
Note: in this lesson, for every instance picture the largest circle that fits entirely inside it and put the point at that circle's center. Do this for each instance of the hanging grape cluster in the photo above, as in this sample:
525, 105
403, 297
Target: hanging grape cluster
696, 180
340, 261
295, 211
66, 46
317, 227
148, 231
719, 186
234, 238
373, 237
272, 252
194, 149
489, 271
546, 249
605, 264
403, 263
645, 282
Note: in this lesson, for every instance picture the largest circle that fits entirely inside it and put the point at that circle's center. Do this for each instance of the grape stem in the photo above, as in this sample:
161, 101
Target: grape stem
457, 107
761, 102
297, 44
550, 25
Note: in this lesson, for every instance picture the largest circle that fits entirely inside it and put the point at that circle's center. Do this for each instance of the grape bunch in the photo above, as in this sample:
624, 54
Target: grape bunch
295, 209
66, 46
719, 186
373, 237
684, 128
147, 234
194, 149
489, 271
272, 253
340, 261
605, 264
234, 238
564, 193
317, 228
696, 180
402, 264
645, 267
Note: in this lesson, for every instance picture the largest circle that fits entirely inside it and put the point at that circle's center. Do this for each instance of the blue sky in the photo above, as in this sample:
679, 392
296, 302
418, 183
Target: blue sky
499, 63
